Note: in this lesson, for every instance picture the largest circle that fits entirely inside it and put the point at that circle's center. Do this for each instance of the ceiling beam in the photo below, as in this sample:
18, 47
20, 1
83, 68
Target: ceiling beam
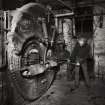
88, 3
66, 5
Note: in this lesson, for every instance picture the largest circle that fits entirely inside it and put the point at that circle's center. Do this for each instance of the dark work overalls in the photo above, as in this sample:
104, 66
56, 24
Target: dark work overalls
80, 54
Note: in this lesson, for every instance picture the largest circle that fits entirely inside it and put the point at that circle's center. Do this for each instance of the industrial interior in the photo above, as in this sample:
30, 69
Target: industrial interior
52, 52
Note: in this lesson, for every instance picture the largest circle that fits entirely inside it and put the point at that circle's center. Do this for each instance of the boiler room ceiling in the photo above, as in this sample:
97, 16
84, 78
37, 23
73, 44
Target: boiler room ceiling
55, 4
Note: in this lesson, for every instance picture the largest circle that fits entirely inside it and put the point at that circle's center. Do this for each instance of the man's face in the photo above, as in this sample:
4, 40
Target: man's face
81, 41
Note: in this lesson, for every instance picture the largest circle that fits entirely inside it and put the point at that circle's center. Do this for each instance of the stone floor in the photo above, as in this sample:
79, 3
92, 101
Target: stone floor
60, 94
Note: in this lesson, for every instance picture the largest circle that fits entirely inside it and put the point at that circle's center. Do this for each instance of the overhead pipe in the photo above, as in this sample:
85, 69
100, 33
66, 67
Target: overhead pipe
64, 15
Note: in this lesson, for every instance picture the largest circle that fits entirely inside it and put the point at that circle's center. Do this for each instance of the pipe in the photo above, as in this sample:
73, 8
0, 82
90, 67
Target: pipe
63, 15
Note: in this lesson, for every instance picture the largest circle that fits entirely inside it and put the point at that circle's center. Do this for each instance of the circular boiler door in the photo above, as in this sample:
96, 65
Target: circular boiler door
32, 80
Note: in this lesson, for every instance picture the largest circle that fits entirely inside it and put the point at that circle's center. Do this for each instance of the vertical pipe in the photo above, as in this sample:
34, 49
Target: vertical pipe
72, 34
4, 36
58, 26
62, 26
0, 4
56, 22
2, 82
44, 29
2, 40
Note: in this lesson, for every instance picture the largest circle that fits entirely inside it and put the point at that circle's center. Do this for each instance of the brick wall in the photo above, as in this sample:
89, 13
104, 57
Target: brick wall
99, 41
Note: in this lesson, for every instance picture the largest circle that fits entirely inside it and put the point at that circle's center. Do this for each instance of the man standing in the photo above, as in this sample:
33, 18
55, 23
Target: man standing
79, 56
